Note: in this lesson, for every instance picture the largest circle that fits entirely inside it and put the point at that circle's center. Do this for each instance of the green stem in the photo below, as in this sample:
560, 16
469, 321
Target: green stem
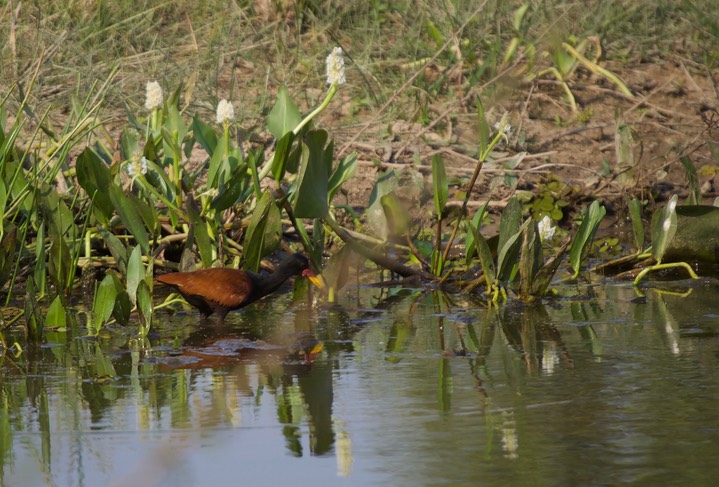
659, 267
313, 114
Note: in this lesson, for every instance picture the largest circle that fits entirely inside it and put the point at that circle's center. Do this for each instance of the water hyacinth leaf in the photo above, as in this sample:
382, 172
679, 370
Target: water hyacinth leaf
399, 222
40, 269
635, 215
123, 307
509, 253
94, 177
263, 233
130, 216
129, 145
530, 260
231, 191
116, 247
104, 302
344, 171
198, 227
439, 184
544, 277
386, 183
485, 255
284, 116
60, 262
144, 305
204, 135
310, 199
282, 153
585, 235
470, 243
135, 274
511, 219
218, 164
8, 248
664, 226
33, 314
56, 314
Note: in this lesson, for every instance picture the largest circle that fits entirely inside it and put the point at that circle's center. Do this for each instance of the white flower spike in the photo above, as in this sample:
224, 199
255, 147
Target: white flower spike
336, 67
153, 96
546, 229
136, 167
225, 112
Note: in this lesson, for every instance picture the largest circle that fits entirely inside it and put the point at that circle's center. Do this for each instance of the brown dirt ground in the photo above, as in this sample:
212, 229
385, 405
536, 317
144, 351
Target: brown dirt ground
673, 113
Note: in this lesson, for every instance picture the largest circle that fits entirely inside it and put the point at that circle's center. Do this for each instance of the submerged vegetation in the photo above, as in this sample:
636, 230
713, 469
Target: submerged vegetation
102, 202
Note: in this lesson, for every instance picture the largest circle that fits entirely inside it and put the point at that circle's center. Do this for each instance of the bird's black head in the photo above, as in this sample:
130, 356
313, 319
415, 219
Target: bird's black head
295, 264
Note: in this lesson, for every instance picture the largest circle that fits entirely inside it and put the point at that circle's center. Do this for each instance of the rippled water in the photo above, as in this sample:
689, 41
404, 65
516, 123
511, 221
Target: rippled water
410, 389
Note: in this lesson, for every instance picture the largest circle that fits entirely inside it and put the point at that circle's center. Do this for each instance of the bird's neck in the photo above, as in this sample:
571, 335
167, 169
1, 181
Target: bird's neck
269, 282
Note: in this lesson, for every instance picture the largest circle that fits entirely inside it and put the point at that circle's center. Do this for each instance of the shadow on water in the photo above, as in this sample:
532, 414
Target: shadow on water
394, 386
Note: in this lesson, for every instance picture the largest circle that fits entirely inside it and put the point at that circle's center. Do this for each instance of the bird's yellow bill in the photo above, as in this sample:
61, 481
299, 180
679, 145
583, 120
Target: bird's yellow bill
317, 281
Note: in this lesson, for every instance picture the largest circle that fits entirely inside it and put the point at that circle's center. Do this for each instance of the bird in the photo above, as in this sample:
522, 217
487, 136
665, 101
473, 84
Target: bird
220, 290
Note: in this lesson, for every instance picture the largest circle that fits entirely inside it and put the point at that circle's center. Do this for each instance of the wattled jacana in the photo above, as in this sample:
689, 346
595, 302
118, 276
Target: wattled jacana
221, 290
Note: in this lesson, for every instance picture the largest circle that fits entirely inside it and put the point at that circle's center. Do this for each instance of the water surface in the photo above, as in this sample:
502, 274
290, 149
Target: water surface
410, 389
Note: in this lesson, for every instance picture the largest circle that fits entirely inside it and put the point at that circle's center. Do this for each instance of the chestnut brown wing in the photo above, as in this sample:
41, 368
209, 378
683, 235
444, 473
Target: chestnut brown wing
229, 288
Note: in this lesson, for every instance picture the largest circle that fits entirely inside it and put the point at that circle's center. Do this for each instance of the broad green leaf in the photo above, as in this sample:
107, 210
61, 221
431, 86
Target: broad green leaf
585, 235
116, 247
485, 254
509, 253
204, 135
123, 307
129, 145
144, 305
530, 260
544, 277
130, 216
159, 180
439, 184
218, 164
664, 226
310, 199
263, 233
61, 219
33, 315
475, 223
104, 302
284, 116
231, 191
635, 215
201, 235
282, 153
385, 184
344, 171
56, 314
135, 273
511, 219
8, 248
399, 222
60, 263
